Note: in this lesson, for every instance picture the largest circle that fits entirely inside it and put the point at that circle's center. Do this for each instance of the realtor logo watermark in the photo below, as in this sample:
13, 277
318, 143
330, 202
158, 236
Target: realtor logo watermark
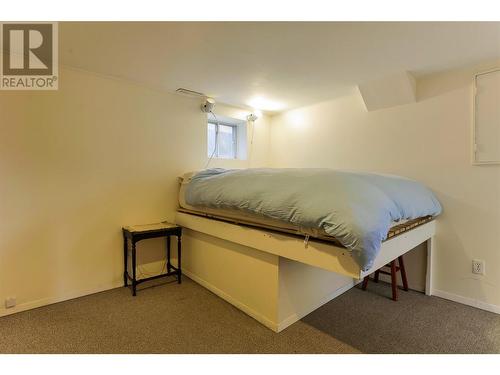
29, 56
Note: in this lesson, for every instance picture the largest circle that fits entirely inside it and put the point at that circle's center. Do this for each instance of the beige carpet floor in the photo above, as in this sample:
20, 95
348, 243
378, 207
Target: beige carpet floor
187, 318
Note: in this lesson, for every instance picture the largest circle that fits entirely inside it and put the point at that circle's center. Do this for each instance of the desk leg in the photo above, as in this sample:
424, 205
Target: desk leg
134, 281
179, 272
125, 260
168, 255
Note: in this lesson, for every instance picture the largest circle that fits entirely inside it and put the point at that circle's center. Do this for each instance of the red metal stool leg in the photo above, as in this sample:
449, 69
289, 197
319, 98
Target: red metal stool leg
394, 281
365, 283
403, 273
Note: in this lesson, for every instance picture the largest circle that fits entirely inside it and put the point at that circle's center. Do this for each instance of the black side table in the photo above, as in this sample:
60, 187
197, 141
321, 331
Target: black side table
135, 233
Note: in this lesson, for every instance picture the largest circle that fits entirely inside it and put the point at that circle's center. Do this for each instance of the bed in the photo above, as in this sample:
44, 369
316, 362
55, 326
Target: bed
297, 251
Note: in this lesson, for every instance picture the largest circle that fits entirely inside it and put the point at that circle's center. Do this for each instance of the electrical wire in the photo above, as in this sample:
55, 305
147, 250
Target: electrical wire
142, 273
250, 151
253, 131
216, 140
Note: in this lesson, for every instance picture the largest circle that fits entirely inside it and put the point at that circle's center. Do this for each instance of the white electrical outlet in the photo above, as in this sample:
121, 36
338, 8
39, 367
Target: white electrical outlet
478, 267
10, 302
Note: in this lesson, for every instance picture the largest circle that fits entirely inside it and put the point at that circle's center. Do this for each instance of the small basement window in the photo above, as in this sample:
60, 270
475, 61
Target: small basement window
231, 138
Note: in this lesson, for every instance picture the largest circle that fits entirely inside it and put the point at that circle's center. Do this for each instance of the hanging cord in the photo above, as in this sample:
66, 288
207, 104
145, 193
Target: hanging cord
306, 241
250, 152
253, 131
216, 139
251, 123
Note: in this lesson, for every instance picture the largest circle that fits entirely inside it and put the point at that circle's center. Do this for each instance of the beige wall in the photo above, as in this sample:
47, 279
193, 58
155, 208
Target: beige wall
429, 141
77, 164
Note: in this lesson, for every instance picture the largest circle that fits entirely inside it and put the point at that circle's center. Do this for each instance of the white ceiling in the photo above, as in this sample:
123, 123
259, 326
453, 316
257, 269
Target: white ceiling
289, 64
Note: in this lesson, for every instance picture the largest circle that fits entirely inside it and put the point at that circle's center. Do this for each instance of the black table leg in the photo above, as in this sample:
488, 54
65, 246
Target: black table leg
125, 260
179, 272
134, 280
169, 266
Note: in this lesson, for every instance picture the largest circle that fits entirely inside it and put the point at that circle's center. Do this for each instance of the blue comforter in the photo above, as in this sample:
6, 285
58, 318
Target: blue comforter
356, 208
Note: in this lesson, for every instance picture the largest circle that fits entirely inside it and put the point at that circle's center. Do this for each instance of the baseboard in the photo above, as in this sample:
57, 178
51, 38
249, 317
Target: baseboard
246, 309
64, 297
297, 316
71, 295
467, 301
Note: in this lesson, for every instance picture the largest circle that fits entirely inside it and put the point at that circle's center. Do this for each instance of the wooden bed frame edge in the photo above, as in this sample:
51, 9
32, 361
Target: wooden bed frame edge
312, 252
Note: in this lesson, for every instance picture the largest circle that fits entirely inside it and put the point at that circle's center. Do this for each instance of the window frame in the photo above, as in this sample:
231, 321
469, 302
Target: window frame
234, 140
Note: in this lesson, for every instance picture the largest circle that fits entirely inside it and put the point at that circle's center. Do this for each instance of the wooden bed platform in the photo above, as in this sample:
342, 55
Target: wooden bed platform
278, 276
